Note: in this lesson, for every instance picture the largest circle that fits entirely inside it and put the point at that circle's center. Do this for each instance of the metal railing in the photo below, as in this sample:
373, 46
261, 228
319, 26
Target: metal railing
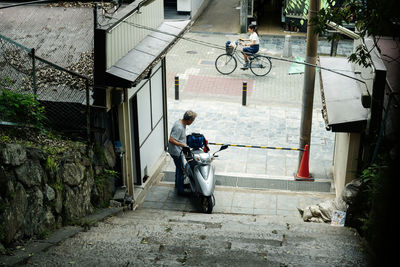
262, 147
64, 93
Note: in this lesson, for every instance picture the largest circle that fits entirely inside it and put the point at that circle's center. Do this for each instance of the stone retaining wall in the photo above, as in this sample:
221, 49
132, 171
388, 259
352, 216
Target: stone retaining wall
40, 191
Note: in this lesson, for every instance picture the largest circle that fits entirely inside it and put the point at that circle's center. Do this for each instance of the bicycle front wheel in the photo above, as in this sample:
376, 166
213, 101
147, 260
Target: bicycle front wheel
260, 65
225, 64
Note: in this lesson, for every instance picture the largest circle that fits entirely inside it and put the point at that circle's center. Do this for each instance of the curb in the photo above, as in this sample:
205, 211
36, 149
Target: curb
265, 182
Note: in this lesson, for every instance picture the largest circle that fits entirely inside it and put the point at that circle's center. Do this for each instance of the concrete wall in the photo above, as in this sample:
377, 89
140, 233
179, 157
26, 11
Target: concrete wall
345, 161
198, 7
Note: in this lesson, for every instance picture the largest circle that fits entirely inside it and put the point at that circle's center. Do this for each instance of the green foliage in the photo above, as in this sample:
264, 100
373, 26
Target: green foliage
371, 177
21, 108
51, 150
5, 82
59, 186
5, 139
52, 164
302, 5
372, 17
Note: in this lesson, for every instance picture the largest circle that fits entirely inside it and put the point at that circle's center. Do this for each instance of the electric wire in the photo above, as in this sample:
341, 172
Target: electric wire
217, 46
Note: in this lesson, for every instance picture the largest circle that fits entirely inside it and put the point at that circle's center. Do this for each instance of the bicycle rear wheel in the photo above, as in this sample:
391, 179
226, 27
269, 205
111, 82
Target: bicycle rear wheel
225, 64
260, 65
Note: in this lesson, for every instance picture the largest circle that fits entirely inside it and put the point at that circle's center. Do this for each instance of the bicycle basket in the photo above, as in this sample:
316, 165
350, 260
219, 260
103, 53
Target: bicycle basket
229, 50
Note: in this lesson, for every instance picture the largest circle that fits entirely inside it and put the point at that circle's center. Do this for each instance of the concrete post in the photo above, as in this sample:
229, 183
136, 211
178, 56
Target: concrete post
287, 47
244, 93
176, 87
334, 45
309, 79
244, 7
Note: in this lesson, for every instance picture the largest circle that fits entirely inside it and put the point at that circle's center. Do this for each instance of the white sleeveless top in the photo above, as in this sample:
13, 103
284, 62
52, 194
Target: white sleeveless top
254, 36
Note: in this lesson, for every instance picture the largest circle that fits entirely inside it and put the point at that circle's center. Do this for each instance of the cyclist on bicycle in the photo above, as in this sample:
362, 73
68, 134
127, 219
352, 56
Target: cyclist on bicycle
250, 45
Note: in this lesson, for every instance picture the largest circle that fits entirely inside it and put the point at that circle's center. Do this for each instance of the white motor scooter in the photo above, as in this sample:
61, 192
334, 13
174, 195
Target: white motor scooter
200, 172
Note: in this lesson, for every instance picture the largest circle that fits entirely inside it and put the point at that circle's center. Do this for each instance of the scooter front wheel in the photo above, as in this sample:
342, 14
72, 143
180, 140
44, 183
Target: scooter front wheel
207, 204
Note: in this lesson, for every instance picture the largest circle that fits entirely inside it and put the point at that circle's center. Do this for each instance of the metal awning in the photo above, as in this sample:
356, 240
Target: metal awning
134, 65
341, 97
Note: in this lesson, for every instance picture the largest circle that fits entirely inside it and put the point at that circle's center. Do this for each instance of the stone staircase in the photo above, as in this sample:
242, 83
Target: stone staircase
148, 237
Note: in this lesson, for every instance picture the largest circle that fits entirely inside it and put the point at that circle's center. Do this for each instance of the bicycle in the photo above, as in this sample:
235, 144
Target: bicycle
226, 63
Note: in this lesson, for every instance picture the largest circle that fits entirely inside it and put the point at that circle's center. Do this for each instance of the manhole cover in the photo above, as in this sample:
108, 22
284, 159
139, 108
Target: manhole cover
191, 52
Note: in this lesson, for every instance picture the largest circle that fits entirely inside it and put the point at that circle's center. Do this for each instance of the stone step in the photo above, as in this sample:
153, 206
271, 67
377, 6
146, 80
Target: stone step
149, 237
195, 239
265, 182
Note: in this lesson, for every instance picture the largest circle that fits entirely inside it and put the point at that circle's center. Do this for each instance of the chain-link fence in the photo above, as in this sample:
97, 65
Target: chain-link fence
64, 93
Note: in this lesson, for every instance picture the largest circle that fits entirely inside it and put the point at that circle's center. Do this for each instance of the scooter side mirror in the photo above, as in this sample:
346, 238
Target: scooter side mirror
223, 147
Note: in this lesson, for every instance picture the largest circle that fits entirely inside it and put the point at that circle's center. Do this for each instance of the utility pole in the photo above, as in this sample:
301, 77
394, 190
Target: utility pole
309, 78
244, 7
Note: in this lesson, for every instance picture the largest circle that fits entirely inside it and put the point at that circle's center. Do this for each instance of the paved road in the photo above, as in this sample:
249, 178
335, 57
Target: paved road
219, 16
236, 200
270, 118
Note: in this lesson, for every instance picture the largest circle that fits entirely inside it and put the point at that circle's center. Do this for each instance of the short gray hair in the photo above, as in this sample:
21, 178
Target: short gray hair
189, 115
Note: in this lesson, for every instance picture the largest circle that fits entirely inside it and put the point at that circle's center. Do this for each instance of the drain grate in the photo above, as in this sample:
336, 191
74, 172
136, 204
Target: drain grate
191, 52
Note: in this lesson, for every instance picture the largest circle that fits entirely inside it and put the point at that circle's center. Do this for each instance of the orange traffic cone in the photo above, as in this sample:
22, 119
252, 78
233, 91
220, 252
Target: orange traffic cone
303, 174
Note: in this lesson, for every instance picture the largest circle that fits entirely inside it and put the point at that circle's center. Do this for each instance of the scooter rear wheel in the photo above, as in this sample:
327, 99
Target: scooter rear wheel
207, 204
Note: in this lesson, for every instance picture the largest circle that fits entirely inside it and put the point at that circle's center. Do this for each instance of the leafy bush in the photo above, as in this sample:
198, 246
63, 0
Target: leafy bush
21, 108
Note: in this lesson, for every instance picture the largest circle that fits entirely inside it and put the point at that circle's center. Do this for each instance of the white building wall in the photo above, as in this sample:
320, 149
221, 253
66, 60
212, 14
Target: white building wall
151, 117
126, 35
144, 112
150, 121
152, 150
